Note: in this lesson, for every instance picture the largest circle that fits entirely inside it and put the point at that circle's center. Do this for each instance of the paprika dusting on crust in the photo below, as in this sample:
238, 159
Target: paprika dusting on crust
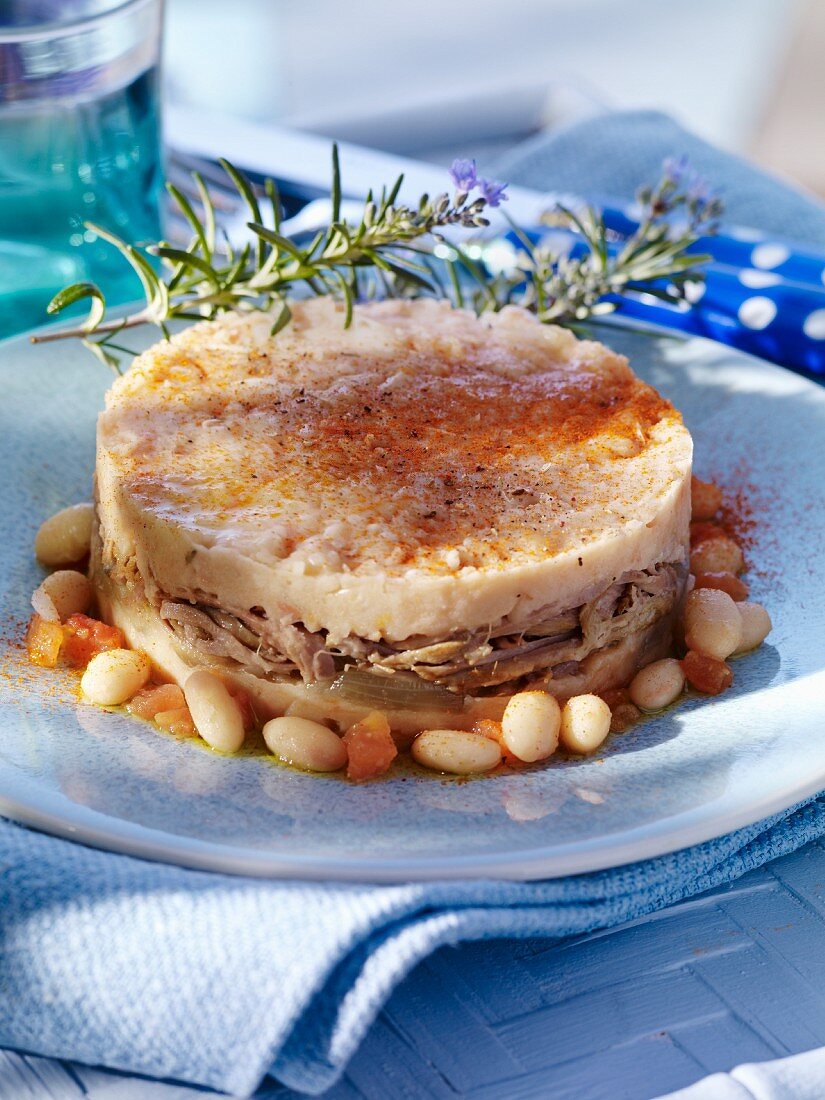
426, 479
421, 436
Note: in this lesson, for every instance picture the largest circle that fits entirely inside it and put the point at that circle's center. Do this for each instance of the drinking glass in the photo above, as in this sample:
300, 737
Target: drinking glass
79, 142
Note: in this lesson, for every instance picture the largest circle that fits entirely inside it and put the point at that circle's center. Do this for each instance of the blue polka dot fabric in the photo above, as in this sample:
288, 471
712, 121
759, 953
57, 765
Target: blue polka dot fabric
760, 294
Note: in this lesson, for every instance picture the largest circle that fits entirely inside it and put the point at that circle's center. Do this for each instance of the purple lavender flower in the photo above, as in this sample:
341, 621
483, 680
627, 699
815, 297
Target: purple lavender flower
463, 174
675, 168
493, 193
699, 190
682, 184
679, 172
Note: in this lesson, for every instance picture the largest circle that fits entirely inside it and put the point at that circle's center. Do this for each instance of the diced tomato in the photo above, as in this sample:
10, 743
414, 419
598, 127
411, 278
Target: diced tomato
86, 637
43, 642
707, 674
615, 697
150, 700
488, 727
370, 747
177, 721
623, 716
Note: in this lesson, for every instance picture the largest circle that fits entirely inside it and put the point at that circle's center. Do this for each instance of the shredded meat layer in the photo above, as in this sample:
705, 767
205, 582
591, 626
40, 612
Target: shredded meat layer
552, 645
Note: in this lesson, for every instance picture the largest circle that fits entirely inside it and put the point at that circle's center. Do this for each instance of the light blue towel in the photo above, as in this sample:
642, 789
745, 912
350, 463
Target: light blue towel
216, 980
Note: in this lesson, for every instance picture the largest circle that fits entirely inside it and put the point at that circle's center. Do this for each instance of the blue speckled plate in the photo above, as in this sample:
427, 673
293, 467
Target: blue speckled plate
691, 774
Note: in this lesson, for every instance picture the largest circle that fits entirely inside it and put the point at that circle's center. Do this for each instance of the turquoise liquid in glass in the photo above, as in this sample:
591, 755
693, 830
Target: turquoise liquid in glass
63, 163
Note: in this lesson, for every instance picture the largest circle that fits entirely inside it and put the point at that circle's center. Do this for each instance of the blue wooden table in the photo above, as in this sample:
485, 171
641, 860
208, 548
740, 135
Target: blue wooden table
734, 976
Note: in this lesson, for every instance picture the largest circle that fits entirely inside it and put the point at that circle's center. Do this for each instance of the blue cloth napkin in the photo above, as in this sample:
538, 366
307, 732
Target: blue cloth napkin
609, 156
216, 980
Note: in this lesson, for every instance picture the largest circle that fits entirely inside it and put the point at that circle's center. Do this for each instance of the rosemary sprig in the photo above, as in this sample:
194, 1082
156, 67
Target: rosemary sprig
209, 277
396, 247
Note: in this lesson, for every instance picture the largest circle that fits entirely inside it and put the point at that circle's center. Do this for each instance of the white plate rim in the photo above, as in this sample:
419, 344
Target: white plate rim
126, 838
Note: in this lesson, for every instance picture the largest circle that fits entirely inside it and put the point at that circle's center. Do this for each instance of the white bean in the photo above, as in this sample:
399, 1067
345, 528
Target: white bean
216, 715
303, 708
114, 676
65, 537
305, 744
705, 499
657, 685
62, 594
717, 555
585, 722
713, 623
530, 725
756, 626
456, 752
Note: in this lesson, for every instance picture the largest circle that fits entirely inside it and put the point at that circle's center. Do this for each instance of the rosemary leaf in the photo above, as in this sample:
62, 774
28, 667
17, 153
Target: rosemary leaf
76, 293
282, 320
190, 215
208, 213
335, 192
